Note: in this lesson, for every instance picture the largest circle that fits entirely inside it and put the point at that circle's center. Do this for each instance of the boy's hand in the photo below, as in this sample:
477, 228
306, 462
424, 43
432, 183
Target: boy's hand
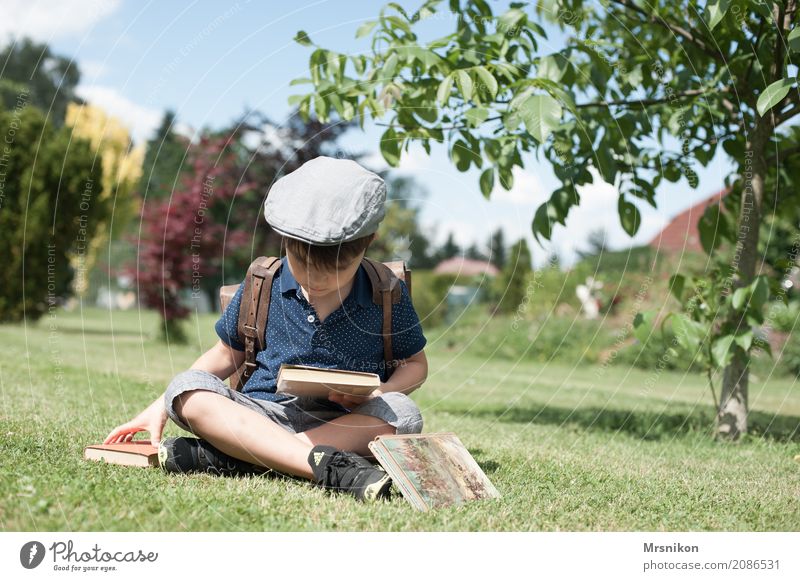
152, 419
352, 401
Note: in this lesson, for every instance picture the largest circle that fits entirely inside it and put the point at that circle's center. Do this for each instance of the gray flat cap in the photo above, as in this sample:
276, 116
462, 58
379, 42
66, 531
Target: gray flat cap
326, 201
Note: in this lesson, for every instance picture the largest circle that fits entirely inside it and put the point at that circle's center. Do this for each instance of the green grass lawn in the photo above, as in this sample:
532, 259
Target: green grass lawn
583, 448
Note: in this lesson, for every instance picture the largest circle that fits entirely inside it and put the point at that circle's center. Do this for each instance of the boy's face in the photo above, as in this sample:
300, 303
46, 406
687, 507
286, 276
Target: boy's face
322, 284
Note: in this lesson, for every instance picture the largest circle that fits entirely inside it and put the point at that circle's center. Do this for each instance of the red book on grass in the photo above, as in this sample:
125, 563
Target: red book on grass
138, 453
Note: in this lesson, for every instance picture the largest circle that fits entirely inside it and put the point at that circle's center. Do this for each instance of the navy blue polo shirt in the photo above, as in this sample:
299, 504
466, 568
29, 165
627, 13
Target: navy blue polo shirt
349, 338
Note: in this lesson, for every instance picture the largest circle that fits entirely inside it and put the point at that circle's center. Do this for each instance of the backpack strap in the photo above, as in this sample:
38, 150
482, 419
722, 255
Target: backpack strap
254, 312
386, 291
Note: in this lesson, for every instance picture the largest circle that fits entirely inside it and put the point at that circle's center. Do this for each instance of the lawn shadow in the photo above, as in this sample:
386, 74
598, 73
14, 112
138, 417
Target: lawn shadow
91, 331
488, 466
643, 424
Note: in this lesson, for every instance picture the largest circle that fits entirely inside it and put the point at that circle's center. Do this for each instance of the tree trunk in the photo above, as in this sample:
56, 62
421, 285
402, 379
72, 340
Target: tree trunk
732, 413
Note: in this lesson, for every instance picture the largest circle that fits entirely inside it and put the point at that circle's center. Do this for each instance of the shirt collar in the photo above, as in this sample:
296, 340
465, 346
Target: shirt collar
362, 291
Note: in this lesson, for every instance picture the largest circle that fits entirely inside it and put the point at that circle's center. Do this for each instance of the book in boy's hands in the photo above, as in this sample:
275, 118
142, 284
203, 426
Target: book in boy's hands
304, 380
432, 470
138, 453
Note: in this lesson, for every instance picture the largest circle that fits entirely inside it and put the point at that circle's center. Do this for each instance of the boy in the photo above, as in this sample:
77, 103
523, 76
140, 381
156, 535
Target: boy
321, 314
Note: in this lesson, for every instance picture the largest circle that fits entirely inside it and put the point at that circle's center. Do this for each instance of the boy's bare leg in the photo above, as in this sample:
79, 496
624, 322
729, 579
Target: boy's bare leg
351, 432
243, 433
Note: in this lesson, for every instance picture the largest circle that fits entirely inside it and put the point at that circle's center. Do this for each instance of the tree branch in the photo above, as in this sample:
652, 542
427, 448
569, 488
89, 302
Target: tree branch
788, 114
689, 35
657, 101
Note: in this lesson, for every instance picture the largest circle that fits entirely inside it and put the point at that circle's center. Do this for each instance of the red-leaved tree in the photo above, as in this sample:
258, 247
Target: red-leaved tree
180, 246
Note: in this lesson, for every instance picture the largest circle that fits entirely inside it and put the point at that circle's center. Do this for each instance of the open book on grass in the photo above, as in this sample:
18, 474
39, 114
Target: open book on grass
319, 382
138, 453
432, 470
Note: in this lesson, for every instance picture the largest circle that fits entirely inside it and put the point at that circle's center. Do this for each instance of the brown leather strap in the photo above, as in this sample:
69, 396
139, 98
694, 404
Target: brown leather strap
254, 312
385, 292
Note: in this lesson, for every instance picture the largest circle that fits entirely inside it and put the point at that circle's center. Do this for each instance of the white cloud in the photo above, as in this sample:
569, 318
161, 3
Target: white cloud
45, 20
598, 211
142, 121
526, 190
92, 70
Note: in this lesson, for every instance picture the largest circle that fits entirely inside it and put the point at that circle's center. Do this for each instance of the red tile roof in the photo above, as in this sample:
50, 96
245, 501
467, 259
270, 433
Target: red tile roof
466, 267
681, 234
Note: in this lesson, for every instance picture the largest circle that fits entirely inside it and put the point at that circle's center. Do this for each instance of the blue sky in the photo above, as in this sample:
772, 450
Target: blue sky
209, 60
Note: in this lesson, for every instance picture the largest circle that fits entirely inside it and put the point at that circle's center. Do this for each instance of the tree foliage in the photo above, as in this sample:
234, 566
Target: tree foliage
641, 91
122, 168
49, 182
47, 80
184, 237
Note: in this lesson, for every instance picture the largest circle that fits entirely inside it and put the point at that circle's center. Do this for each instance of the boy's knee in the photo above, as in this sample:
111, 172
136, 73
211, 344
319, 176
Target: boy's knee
183, 388
409, 416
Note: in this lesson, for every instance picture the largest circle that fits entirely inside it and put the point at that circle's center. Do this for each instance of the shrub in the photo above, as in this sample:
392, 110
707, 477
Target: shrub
50, 209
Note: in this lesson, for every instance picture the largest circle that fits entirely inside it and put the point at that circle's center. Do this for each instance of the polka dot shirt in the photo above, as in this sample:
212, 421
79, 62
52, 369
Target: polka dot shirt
348, 338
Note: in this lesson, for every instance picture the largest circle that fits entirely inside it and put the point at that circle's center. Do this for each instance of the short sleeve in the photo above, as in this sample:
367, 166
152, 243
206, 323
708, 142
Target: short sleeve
227, 327
407, 336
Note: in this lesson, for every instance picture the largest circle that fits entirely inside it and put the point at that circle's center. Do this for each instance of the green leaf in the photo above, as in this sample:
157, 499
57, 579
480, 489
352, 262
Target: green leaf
773, 94
488, 80
462, 155
320, 108
443, 93
487, 182
476, 116
643, 325
302, 38
716, 12
365, 28
629, 216
552, 67
389, 67
740, 297
744, 340
721, 350
464, 82
760, 294
390, 147
688, 333
794, 40
677, 282
541, 115
708, 227
543, 221
508, 20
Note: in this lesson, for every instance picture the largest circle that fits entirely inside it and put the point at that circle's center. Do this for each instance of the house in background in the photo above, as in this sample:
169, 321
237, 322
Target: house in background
682, 234
473, 276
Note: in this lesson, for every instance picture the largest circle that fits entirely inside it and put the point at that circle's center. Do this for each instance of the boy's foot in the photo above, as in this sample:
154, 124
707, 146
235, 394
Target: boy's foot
349, 472
184, 455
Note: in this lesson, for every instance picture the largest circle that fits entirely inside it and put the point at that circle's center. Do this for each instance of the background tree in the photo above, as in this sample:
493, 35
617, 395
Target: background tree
511, 286
449, 249
497, 248
636, 93
122, 168
47, 180
400, 234
163, 161
596, 244
46, 79
186, 237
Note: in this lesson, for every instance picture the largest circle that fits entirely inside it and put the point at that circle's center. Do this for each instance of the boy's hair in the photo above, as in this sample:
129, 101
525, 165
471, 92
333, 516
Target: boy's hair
327, 258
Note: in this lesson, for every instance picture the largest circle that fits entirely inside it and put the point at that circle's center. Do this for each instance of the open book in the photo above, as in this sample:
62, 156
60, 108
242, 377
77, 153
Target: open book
432, 470
319, 382
138, 453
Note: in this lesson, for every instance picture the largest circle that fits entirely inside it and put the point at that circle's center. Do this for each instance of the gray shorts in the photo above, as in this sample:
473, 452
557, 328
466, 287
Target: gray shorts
297, 414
